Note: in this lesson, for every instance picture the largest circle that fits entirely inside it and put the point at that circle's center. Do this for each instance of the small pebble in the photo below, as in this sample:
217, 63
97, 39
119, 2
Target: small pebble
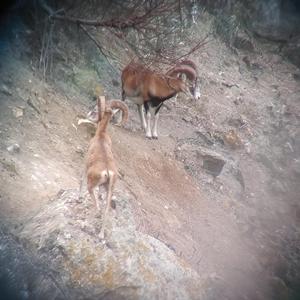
15, 148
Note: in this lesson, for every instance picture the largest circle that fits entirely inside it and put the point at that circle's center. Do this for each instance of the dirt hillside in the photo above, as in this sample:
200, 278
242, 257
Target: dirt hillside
220, 187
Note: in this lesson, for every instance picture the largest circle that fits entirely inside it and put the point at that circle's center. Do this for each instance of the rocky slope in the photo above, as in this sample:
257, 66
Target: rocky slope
208, 211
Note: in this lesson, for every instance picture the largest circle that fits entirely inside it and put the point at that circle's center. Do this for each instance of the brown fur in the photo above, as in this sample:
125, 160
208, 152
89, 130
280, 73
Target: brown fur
100, 164
138, 81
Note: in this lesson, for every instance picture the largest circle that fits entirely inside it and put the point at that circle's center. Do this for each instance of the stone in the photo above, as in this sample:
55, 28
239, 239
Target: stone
297, 76
14, 148
187, 119
18, 112
213, 165
212, 162
5, 90
9, 166
232, 139
128, 264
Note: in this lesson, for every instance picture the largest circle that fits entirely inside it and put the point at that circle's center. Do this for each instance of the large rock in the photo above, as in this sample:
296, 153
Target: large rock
129, 265
198, 159
212, 162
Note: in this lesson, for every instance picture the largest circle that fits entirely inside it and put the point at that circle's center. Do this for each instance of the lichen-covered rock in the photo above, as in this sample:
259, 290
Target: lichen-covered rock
128, 265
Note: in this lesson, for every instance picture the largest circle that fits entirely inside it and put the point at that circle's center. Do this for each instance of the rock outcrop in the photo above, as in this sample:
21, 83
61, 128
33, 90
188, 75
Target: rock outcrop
127, 265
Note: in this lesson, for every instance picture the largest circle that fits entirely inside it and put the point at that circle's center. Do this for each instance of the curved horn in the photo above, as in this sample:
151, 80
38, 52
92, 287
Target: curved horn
118, 104
188, 71
187, 62
101, 107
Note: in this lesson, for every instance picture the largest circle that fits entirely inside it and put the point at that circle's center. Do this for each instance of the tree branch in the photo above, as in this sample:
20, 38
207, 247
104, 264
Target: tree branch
96, 43
121, 23
140, 19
